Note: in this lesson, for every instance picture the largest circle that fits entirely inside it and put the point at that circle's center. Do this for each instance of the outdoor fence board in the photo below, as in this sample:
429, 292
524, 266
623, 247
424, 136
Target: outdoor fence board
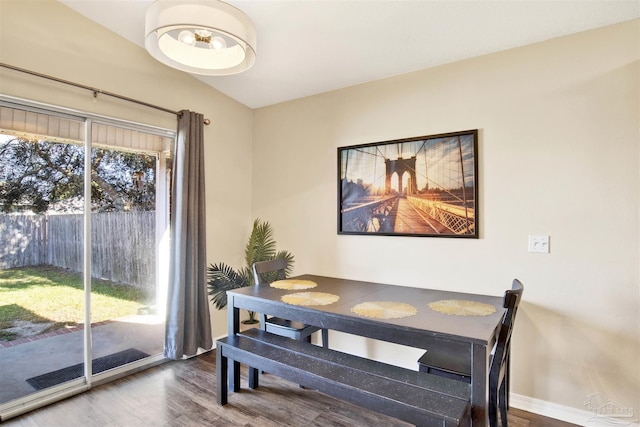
122, 249
65, 235
23, 240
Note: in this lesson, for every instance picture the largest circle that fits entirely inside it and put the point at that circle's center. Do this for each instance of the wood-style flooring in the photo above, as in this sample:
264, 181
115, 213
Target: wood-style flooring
183, 394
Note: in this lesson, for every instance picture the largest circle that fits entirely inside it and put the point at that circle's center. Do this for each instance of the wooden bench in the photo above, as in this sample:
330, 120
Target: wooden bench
416, 397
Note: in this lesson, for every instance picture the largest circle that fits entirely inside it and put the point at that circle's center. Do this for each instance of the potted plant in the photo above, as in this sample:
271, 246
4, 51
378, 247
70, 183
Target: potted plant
260, 247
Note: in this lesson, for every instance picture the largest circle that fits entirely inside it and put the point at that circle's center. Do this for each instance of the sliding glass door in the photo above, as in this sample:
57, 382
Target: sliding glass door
83, 219
41, 284
127, 315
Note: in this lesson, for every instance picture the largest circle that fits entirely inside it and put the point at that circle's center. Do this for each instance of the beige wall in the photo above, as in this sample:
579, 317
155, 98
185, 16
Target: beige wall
558, 154
47, 37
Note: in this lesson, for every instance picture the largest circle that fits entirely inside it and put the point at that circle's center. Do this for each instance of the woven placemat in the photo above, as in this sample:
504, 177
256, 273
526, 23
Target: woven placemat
310, 298
384, 309
293, 284
460, 307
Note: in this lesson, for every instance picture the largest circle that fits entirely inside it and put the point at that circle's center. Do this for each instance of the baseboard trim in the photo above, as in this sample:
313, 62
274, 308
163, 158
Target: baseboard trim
566, 413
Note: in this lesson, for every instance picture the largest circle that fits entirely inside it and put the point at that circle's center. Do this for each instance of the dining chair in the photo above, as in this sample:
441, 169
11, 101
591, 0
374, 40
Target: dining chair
441, 362
265, 272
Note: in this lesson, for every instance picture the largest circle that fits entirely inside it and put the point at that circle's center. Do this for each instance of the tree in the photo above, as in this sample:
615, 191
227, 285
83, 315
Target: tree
39, 176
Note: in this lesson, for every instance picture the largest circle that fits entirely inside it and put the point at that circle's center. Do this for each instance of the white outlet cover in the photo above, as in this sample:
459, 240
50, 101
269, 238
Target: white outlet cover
539, 244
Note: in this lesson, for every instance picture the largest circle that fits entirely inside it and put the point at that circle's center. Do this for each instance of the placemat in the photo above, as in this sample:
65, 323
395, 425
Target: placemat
384, 309
310, 298
459, 307
293, 284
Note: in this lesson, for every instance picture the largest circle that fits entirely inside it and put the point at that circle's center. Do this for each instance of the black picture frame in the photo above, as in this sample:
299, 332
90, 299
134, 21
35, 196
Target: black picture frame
424, 186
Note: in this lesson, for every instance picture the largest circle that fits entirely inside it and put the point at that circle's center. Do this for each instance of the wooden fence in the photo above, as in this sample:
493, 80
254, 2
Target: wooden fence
122, 250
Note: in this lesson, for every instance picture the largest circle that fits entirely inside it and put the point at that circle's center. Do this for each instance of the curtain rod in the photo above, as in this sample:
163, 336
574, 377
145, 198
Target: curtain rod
94, 90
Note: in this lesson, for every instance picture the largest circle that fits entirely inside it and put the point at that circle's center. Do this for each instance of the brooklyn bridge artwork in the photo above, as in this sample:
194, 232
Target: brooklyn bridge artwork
423, 186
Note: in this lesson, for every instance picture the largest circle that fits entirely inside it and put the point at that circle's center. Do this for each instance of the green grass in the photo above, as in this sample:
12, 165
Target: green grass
49, 294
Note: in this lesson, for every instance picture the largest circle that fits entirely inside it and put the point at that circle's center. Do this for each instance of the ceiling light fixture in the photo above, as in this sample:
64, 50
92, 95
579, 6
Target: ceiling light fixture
207, 37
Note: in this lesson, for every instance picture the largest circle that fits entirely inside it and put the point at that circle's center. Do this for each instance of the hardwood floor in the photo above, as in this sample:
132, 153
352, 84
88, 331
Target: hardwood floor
183, 394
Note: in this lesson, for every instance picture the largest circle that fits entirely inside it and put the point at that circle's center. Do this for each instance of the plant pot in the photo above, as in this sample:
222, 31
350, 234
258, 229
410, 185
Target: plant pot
251, 320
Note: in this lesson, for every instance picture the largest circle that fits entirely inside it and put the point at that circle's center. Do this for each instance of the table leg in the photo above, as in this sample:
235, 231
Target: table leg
233, 319
480, 357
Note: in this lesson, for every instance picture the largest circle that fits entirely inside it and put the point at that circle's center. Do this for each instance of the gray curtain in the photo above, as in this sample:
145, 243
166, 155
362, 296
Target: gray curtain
188, 325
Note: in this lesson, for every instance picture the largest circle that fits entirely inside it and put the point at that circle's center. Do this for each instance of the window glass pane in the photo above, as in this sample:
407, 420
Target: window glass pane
41, 284
125, 317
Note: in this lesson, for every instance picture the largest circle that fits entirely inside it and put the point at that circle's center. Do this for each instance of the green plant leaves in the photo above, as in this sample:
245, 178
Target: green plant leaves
222, 278
260, 247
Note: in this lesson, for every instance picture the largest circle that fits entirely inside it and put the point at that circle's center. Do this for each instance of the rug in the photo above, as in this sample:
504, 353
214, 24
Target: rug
100, 364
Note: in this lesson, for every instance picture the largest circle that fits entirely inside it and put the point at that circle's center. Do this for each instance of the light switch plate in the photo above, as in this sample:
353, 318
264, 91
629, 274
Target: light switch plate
539, 244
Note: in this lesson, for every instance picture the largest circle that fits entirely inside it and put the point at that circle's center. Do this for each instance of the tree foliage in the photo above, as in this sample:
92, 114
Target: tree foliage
41, 176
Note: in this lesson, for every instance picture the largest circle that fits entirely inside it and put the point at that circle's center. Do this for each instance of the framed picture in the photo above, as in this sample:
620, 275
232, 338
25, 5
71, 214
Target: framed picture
423, 186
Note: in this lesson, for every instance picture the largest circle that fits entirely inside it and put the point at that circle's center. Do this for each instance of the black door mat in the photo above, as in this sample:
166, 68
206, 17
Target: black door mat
100, 364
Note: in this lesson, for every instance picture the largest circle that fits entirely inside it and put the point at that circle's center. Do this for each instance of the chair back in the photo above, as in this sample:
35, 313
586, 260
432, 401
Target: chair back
269, 271
500, 358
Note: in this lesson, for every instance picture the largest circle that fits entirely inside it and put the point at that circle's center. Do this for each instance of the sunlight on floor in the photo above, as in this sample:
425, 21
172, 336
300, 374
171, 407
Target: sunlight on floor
148, 319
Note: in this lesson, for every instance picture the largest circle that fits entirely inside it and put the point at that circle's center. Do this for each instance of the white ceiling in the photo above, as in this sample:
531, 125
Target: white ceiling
307, 47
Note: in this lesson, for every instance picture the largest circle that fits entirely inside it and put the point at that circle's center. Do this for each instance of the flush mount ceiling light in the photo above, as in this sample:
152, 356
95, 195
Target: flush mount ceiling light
207, 37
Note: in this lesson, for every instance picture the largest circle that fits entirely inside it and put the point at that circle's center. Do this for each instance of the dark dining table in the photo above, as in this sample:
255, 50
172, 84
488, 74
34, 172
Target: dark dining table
473, 336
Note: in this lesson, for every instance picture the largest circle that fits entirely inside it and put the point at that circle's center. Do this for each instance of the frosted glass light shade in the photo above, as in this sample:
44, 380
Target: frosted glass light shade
167, 22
